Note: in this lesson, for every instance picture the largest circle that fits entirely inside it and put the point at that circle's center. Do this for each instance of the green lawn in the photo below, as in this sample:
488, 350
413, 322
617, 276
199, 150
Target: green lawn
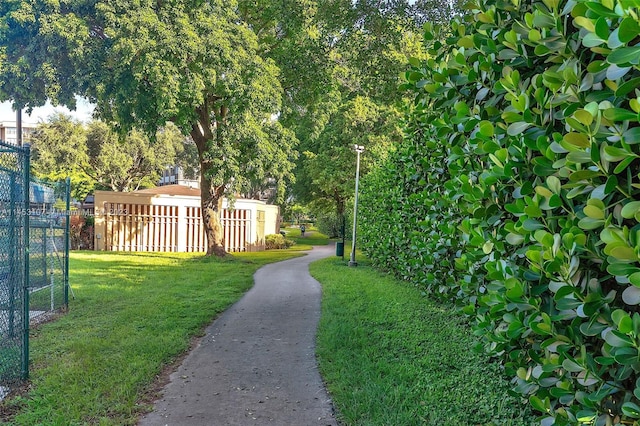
312, 237
133, 314
392, 357
389, 356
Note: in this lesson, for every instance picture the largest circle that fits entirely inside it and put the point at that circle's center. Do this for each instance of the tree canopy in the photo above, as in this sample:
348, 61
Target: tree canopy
191, 62
341, 53
133, 163
95, 157
59, 151
247, 80
331, 168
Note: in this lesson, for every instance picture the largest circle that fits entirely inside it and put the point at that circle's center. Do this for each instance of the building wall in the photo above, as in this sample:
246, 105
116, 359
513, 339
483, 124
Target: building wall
8, 132
159, 222
272, 219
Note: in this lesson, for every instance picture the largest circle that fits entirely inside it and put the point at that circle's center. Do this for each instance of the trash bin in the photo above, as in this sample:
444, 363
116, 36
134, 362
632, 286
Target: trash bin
339, 248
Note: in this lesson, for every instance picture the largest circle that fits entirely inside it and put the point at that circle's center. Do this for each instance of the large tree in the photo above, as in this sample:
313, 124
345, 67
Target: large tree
331, 168
191, 62
332, 52
59, 151
133, 162
359, 110
95, 157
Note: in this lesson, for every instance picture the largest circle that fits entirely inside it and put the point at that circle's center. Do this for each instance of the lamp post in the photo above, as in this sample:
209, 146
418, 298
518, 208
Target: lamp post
352, 262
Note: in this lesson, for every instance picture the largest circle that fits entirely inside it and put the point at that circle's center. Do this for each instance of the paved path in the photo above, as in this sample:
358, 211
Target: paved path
256, 364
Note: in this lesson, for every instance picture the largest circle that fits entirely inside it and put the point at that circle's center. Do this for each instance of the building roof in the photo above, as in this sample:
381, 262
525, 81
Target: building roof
12, 124
171, 190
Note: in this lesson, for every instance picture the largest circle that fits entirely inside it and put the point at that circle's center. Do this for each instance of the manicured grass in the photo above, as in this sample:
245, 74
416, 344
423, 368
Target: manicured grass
392, 357
312, 237
133, 314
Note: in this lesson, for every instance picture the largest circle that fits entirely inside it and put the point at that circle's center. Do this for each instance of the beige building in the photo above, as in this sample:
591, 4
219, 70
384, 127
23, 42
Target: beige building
9, 132
169, 219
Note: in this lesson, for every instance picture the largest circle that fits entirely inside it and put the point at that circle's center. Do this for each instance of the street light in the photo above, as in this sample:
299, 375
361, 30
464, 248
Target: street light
352, 262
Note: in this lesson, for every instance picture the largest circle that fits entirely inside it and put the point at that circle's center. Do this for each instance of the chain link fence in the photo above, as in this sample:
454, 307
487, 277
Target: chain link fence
48, 248
34, 247
14, 226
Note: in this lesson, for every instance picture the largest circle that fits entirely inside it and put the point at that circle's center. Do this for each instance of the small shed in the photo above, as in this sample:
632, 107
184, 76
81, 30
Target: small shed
169, 219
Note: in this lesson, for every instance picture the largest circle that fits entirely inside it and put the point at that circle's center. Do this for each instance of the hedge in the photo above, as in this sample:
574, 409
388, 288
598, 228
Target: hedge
516, 193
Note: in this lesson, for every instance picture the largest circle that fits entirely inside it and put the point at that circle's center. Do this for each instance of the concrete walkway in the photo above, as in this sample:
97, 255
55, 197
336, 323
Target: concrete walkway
256, 365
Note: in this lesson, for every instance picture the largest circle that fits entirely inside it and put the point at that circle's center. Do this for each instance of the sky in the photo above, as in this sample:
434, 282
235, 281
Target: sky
82, 112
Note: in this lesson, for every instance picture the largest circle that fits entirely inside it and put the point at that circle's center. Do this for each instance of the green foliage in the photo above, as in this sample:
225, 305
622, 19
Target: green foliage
391, 357
335, 226
95, 157
58, 151
295, 213
516, 193
277, 241
363, 46
132, 162
193, 63
331, 168
28, 52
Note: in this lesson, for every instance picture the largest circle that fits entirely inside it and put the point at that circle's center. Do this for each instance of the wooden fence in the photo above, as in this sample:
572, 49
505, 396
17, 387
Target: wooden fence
170, 228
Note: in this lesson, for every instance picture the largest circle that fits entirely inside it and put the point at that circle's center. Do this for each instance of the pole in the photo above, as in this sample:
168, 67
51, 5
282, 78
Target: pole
14, 274
67, 229
343, 231
26, 152
352, 261
19, 127
52, 268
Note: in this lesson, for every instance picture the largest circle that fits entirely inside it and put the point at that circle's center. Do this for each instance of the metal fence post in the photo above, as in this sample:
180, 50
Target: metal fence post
66, 241
12, 257
26, 152
45, 248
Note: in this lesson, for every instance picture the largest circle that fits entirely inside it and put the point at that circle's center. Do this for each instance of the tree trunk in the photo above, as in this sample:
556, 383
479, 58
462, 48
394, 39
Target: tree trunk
210, 196
211, 202
341, 219
340, 204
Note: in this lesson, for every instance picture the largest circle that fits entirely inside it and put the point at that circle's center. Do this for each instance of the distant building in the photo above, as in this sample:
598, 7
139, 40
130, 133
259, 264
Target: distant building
174, 175
9, 132
169, 219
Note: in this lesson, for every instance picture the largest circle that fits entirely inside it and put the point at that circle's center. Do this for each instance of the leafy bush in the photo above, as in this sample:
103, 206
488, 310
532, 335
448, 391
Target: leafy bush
516, 192
81, 229
277, 241
332, 225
